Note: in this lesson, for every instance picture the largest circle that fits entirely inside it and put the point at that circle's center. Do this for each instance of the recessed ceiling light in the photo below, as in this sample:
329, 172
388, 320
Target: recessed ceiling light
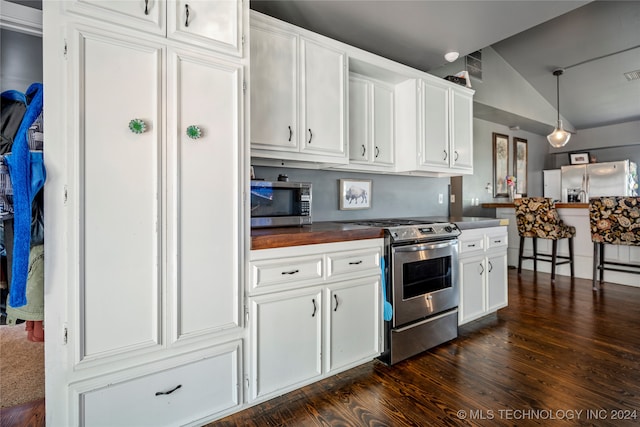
451, 56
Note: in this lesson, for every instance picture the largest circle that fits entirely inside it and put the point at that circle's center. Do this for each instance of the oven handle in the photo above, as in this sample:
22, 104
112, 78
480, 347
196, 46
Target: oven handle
419, 248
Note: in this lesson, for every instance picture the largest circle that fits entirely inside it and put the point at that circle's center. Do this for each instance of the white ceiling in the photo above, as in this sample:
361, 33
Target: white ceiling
534, 37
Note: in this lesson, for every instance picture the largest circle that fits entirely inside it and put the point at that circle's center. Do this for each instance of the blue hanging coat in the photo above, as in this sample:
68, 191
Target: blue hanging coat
27, 178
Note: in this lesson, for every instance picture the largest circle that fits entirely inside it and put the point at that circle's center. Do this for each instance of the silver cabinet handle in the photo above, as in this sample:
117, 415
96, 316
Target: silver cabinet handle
377, 152
291, 272
364, 150
482, 267
146, 7
355, 262
314, 308
456, 157
290, 133
336, 298
186, 12
445, 154
490, 267
497, 241
310, 136
161, 393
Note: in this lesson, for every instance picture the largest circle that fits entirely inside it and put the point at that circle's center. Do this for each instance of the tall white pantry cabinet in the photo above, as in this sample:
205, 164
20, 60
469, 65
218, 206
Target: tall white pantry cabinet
145, 237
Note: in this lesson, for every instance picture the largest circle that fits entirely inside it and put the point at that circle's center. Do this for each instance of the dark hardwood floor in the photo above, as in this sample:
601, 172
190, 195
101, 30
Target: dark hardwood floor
559, 354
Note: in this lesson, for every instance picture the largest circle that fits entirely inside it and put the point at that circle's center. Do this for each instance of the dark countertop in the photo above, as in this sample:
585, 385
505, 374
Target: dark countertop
331, 232
559, 205
318, 232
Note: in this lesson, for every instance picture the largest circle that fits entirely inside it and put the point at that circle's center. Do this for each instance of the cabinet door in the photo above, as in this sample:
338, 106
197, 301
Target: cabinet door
146, 15
118, 301
462, 130
205, 192
322, 98
353, 310
383, 130
211, 24
286, 340
274, 96
359, 131
472, 288
435, 125
497, 281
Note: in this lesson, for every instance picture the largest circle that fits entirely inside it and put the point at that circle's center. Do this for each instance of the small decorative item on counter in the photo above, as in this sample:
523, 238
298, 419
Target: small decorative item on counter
194, 132
137, 126
510, 180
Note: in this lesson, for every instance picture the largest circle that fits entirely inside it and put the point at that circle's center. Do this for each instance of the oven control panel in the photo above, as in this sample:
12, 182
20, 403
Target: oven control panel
425, 232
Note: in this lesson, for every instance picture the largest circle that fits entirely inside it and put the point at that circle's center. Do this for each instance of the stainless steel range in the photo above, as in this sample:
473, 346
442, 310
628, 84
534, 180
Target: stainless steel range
421, 256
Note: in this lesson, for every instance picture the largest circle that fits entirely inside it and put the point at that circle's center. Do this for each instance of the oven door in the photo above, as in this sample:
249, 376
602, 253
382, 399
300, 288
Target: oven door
424, 280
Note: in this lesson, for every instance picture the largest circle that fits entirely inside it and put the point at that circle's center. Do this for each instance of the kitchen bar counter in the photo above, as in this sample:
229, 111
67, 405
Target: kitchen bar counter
330, 232
558, 205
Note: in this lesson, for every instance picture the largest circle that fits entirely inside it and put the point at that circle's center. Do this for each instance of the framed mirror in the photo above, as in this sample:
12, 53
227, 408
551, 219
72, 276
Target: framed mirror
520, 165
500, 164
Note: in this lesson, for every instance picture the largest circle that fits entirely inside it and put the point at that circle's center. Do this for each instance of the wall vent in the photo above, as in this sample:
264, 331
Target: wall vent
473, 63
632, 75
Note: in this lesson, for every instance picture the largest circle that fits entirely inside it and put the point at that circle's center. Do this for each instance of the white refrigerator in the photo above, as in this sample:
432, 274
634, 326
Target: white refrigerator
601, 179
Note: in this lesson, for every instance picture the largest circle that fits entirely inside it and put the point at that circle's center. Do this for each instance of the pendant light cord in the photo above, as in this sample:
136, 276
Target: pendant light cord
558, 94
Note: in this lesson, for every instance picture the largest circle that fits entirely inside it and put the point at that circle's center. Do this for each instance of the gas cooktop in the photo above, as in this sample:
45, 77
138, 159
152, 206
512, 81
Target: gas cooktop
413, 229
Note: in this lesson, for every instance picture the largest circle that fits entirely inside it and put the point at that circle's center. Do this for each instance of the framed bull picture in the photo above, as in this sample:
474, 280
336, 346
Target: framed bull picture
355, 194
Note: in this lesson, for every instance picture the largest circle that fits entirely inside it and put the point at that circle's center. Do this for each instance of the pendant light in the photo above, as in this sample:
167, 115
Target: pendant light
559, 137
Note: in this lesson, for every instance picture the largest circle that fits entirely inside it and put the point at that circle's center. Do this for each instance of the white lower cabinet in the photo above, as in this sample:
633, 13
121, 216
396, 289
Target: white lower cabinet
483, 272
189, 393
287, 340
303, 331
353, 319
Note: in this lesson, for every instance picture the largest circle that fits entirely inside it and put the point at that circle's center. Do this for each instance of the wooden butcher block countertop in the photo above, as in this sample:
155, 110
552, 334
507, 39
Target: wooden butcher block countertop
320, 232
330, 232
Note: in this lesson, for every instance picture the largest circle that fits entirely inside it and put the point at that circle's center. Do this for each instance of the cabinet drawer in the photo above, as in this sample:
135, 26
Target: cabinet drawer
471, 244
171, 397
341, 263
496, 240
290, 270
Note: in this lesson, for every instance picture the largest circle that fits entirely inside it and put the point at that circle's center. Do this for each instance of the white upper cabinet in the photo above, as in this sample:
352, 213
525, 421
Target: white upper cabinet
447, 136
298, 95
371, 123
461, 129
322, 96
434, 122
215, 24
274, 89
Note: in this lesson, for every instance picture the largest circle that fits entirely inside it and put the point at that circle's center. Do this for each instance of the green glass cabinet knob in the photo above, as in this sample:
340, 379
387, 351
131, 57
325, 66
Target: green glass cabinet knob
137, 126
194, 132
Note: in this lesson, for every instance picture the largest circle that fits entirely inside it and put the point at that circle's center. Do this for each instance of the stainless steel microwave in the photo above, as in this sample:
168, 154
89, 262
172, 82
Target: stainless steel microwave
280, 203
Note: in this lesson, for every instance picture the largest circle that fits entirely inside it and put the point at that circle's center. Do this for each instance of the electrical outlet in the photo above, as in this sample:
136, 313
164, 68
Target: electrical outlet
440, 198
453, 198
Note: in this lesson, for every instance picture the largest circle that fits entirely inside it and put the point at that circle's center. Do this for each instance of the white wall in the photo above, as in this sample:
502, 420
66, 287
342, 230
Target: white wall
605, 143
474, 185
20, 60
391, 196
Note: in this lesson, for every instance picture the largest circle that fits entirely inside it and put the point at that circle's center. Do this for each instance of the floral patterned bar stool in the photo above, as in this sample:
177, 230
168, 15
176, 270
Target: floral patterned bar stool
537, 218
614, 221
